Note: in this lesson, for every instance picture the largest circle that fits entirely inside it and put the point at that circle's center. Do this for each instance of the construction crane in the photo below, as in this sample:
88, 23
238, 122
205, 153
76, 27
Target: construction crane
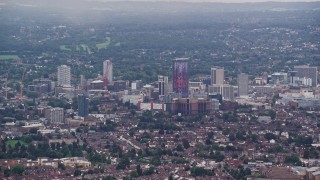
21, 84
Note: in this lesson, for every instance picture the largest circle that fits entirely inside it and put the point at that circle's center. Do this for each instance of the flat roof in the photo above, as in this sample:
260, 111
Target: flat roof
181, 59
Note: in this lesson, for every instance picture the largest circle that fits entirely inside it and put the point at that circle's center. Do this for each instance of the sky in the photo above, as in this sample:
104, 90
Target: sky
222, 1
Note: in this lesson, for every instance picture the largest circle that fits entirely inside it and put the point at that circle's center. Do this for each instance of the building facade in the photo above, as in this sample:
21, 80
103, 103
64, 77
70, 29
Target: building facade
120, 85
64, 76
279, 77
243, 84
188, 106
163, 82
136, 85
57, 116
217, 75
226, 91
307, 72
180, 77
83, 82
108, 71
83, 105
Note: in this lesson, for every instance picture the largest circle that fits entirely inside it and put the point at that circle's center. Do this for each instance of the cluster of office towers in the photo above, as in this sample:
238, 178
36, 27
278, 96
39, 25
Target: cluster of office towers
218, 85
64, 81
301, 76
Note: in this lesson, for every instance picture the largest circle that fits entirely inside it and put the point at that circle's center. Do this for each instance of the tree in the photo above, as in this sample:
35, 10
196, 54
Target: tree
133, 112
109, 178
208, 142
161, 131
170, 177
210, 135
270, 136
18, 169
272, 114
3, 147
148, 171
303, 141
33, 131
61, 166
123, 163
185, 143
77, 172
200, 171
6, 172
134, 174
139, 169
293, 159
179, 147
155, 161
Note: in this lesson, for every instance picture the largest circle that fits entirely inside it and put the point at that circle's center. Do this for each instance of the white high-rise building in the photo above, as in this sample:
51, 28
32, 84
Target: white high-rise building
163, 82
83, 82
64, 76
107, 71
217, 75
57, 116
243, 84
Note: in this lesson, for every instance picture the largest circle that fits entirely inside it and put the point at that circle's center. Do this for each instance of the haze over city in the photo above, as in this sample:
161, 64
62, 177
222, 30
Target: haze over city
167, 90
196, 1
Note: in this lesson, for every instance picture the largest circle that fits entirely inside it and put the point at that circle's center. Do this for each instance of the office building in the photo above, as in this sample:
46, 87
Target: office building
217, 75
136, 85
83, 82
83, 105
260, 91
41, 86
148, 90
64, 76
307, 72
163, 82
225, 90
120, 85
180, 77
279, 77
188, 106
97, 84
243, 84
57, 116
292, 77
108, 71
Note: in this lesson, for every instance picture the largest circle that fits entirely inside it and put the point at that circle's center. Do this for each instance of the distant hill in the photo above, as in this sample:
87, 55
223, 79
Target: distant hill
161, 7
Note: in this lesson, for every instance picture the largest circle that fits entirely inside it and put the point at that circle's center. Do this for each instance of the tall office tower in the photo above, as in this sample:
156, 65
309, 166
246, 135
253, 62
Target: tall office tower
163, 82
217, 75
243, 83
83, 82
108, 71
83, 105
64, 76
57, 116
180, 77
308, 72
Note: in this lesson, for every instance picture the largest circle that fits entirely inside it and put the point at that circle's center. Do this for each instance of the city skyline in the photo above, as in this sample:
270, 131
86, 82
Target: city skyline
156, 89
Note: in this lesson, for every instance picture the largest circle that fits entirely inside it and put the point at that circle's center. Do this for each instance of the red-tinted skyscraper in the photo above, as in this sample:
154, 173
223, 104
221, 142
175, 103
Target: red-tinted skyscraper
180, 77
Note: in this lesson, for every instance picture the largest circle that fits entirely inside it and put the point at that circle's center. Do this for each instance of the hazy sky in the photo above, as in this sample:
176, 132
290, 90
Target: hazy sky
223, 1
